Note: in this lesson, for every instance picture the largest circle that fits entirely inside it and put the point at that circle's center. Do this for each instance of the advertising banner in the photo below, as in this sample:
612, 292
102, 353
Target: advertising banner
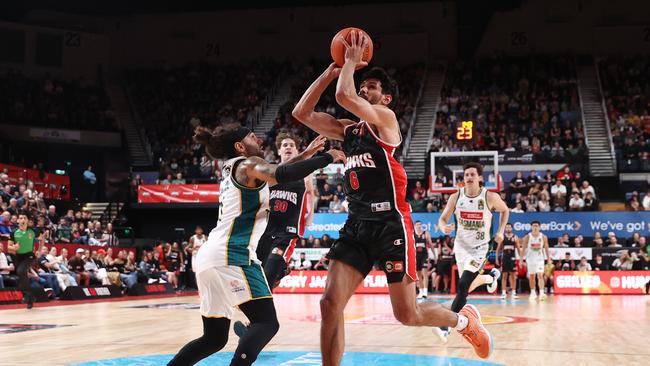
313, 282
178, 193
601, 282
554, 224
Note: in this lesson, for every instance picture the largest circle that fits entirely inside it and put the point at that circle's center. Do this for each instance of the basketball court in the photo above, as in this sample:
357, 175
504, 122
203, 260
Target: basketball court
565, 329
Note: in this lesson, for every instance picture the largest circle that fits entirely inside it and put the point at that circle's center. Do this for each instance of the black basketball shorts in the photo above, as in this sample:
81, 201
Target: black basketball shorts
390, 244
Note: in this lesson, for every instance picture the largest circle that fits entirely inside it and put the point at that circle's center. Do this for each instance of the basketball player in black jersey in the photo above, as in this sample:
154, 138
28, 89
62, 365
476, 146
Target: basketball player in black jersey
291, 206
510, 245
379, 227
422, 249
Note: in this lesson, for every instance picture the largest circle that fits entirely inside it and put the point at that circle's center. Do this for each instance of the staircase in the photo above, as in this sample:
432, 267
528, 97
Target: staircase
139, 151
103, 211
282, 94
602, 161
417, 146
97, 209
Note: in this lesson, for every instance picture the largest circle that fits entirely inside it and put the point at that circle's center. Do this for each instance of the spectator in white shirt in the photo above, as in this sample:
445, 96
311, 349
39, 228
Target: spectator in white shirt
586, 187
302, 264
576, 203
584, 265
558, 187
517, 209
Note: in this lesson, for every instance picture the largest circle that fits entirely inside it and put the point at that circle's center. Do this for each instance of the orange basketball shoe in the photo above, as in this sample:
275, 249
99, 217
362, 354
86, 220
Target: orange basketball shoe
475, 333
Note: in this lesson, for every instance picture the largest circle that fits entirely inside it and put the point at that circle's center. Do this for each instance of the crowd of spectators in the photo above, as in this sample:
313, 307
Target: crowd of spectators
173, 101
626, 89
517, 104
54, 103
566, 191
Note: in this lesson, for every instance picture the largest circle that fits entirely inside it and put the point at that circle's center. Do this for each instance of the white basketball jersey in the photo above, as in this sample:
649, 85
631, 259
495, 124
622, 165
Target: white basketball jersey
198, 241
473, 219
535, 251
243, 215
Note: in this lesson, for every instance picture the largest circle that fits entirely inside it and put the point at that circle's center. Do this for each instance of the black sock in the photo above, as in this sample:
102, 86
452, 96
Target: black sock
274, 269
264, 325
214, 338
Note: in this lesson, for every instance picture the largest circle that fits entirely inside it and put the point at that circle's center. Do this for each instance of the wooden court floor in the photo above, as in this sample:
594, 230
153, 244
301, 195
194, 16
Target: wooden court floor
564, 330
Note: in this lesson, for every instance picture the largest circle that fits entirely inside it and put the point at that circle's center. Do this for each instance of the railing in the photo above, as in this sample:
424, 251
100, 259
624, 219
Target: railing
407, 141
607, 123
435, 111
137, 122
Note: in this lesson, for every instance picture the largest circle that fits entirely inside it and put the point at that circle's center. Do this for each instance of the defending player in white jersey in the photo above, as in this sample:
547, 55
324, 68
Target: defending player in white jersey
228, 273
472, 207
535, 246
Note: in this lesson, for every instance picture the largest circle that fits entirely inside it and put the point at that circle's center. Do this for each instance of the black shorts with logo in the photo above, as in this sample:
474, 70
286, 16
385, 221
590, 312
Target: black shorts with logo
390, 244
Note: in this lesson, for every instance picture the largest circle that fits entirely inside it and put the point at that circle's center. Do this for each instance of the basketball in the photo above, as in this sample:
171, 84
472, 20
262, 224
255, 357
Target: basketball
337, 48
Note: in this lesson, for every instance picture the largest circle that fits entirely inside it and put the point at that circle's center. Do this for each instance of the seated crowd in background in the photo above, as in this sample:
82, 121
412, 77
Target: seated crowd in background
54, 103
626, 91
517, 104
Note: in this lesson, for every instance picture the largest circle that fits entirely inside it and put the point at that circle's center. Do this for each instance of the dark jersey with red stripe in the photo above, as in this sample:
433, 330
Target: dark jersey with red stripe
375, 182
288, 205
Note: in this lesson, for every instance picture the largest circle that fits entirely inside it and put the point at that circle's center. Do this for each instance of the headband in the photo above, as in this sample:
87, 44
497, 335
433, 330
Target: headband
236, 136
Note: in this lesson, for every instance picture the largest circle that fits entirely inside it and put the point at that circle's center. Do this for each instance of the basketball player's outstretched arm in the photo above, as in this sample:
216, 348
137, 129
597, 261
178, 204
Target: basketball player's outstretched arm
317, 145
346, 93
323, 123
497, 204
255, 169
446, 215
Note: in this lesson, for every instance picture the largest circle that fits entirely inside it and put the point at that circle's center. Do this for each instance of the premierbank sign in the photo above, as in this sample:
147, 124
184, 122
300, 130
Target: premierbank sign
554, 224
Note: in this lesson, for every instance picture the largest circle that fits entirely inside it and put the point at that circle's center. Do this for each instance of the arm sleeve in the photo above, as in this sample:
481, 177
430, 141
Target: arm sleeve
301, 169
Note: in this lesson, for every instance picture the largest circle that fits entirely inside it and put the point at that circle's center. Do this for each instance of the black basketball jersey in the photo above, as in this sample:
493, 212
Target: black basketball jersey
288, 206
375, 182
509, 245
421, 242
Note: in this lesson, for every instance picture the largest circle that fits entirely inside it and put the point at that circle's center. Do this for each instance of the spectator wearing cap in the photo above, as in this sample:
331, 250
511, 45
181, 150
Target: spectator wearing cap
77, 265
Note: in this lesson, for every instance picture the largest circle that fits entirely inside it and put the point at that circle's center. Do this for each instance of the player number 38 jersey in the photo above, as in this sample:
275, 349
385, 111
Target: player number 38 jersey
473, 219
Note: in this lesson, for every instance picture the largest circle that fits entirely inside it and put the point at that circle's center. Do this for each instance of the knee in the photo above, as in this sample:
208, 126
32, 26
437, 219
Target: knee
328, 307
406, 317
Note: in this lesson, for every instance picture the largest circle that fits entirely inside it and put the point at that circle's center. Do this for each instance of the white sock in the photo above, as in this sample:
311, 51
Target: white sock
462, 322
425, 291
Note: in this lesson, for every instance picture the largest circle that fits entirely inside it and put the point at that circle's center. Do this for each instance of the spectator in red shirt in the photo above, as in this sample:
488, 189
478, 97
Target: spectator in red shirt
565, 175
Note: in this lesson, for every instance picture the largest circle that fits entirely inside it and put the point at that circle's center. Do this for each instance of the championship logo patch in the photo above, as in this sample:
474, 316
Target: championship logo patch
236, 286
481, 205
394, 266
